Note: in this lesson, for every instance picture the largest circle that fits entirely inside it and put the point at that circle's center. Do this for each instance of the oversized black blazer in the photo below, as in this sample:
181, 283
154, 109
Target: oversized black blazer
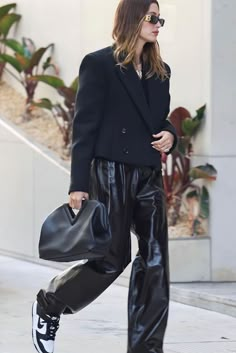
113, 119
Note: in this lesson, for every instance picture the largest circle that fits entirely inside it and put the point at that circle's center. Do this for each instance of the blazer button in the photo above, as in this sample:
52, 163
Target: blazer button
125, 150
123, 130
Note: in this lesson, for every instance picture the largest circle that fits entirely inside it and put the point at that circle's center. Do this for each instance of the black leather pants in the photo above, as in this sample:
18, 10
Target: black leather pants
135, 200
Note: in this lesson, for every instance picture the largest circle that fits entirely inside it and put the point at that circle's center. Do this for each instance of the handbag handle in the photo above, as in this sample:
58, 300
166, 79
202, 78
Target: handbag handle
71, 214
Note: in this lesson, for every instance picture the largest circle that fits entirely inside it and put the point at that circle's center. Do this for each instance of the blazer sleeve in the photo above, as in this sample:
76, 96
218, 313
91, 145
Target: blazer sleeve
166, 125
89, 105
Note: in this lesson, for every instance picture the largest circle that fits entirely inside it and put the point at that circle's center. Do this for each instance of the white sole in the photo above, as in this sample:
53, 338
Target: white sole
34, 325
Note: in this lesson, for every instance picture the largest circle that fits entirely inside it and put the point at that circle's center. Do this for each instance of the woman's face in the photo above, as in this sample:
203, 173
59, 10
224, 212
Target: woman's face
149, 31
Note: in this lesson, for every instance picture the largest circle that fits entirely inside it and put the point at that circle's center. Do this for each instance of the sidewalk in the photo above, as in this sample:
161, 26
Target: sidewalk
101, 327
216, 296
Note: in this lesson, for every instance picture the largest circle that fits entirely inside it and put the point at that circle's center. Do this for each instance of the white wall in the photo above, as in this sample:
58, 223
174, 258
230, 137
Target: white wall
78, 27
67, 24
185, 45
28, 191
223, 146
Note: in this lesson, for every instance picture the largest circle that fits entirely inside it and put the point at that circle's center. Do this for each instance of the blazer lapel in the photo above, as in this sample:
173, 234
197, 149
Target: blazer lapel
132, 84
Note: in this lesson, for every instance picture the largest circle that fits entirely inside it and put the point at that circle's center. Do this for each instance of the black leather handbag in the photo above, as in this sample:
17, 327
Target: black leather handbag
68, 237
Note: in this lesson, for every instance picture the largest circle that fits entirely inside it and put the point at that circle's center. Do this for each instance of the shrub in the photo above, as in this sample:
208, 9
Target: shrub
62, 112
7, 20
178, 175
27, 61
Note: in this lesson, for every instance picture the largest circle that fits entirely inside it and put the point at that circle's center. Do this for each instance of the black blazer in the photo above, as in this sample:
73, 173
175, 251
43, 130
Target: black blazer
113, 118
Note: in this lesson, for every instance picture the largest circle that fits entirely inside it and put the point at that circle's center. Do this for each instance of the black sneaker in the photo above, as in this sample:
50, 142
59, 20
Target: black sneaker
44, 328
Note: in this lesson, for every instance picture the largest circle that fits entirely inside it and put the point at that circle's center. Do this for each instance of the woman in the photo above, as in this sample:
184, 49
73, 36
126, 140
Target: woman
119, 132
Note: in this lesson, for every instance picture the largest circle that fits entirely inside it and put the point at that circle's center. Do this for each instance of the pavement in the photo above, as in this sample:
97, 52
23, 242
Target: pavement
216, 296
101, 327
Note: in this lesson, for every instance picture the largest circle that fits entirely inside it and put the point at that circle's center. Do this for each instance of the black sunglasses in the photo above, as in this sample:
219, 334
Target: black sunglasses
154, 19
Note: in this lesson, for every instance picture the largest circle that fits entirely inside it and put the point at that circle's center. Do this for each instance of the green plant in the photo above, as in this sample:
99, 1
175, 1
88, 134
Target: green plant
7, 20
180, 178
62, 112
27, 61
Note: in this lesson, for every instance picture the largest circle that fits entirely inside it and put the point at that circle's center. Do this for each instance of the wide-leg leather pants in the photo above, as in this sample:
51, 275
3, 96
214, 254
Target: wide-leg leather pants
135, 200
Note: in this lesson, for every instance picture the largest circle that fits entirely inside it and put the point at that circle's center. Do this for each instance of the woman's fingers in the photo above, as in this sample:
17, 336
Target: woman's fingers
164, 149
75, 204
161, 146
164, 143
76, 198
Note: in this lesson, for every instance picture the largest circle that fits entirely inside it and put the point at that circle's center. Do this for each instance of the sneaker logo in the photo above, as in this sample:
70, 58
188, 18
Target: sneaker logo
41, 327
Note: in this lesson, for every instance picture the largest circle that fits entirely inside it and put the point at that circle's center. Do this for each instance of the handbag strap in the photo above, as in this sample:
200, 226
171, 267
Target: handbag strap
70, 213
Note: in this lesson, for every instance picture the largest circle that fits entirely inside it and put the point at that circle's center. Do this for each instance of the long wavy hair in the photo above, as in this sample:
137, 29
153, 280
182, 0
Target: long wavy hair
128, 22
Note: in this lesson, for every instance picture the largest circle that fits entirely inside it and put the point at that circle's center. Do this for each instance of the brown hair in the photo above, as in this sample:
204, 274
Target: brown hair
127, 26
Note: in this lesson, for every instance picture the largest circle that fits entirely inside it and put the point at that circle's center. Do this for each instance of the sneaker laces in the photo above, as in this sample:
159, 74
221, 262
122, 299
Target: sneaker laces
52, 327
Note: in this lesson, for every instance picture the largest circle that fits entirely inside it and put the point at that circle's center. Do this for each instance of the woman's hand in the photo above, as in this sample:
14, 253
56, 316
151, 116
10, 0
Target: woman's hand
76, 198
165, 142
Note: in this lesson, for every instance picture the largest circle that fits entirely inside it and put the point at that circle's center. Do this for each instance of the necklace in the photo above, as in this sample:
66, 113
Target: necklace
138, 69
140, 74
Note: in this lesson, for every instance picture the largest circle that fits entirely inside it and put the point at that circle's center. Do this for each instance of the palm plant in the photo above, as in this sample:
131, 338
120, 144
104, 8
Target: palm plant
7, 20
62, 112
27, 61
178, 175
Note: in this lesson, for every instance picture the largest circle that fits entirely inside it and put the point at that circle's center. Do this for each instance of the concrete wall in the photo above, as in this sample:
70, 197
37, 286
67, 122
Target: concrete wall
28, 191
223, 142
